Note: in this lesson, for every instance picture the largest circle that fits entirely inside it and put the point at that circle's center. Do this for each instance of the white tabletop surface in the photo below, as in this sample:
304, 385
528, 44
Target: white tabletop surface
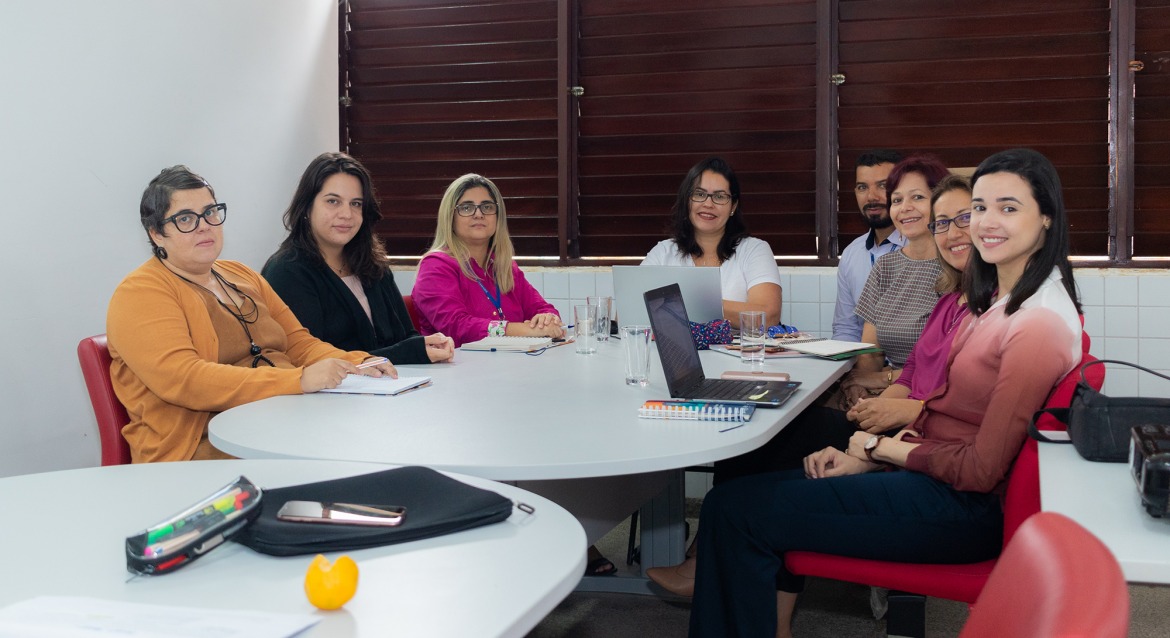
1104, 499
64, 535
513, 416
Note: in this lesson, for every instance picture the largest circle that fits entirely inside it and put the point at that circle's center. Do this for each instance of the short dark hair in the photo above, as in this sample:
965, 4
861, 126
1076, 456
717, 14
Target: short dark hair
980, 280
156, 199
879, 156
365, 254
927, 165
683, 232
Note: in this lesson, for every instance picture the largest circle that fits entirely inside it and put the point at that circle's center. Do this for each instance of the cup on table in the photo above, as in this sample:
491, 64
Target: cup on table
636, 343
751, 337
604, 313
585, 328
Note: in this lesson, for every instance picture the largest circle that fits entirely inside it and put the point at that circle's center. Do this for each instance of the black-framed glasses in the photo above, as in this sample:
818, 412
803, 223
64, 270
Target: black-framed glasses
467, 209
719, 197
940, 226
188, 221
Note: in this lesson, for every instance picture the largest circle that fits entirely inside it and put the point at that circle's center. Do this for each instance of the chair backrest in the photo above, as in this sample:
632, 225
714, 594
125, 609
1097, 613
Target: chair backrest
94, 355
411, 311
1054, 579
1022, 499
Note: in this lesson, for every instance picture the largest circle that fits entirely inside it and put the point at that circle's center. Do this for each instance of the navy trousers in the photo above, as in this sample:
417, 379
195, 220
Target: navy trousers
750, 522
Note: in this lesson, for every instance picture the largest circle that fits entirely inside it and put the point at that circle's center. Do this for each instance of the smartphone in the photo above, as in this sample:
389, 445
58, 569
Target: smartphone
342, 513
755, 375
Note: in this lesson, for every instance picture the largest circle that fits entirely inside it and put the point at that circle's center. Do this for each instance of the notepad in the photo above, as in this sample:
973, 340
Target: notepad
359, 384
508, 344
833, 349
697, 411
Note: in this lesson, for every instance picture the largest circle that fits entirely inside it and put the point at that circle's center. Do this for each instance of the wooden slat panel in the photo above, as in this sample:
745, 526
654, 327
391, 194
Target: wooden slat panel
668, 83
1151, 204
440, 90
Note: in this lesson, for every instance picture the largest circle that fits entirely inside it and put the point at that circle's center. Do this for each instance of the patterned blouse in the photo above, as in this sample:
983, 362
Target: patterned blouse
898, 297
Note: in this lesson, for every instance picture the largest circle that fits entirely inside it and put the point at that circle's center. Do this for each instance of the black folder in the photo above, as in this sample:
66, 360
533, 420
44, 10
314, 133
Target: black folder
435, 504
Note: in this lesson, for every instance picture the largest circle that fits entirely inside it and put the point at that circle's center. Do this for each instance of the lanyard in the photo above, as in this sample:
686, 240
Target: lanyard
495, 300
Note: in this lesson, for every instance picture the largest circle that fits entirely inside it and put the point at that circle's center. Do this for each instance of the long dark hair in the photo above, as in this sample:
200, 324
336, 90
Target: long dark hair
364, 254
683, 232
980, 280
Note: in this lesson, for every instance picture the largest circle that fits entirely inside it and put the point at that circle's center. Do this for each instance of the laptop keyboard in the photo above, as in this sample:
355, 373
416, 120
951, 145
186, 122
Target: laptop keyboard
725, 388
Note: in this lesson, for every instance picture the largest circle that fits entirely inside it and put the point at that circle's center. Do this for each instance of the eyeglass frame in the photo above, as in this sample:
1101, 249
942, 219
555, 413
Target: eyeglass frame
945, 224
478, 207
199, 217
711, 195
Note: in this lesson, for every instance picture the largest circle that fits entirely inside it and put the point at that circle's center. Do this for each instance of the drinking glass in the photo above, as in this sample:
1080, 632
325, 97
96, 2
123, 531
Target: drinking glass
585, 328
751, 337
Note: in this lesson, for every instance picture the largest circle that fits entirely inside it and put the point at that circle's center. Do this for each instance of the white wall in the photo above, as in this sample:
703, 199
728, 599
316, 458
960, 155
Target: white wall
96, 98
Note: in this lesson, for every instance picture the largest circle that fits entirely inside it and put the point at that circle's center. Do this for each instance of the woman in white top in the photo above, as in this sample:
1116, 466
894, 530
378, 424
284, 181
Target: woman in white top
708, 230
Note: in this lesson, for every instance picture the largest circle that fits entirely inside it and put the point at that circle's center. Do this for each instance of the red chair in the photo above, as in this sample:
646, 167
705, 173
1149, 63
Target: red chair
1054, 579
111, 416
411, 311
910, 583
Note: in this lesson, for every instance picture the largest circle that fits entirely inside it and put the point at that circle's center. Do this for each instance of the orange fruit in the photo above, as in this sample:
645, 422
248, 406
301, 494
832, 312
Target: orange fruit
329, 585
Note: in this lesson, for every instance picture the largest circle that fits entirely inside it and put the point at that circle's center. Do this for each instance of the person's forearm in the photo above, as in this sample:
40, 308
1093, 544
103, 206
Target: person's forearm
893, 452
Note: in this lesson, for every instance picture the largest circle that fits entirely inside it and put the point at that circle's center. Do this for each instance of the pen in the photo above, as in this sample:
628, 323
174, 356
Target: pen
372, 362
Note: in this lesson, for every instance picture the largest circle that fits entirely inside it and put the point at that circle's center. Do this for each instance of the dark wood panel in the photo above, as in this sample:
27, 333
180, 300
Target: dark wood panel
697, 143
401, 16
944, 24
598, 165
925, 109
951, 50
862, 94
699, 40
699, 60
637, 8
686, 21
455, 54
420, 168
472, 110
443, 92
1010, 10
465, 150
481, 71
711, 100
467, 130
1086, 65
1148, 152
728, 121
796, 79
997, 137
488, 31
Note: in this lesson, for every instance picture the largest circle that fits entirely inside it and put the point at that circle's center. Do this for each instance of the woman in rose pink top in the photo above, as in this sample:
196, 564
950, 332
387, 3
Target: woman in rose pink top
467, 286
940, 500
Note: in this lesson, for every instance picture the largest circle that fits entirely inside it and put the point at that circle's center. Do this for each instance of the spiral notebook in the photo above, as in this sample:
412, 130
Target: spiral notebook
697, 411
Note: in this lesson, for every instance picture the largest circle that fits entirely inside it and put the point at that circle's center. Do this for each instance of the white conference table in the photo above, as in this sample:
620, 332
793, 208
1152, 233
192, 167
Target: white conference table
1104, 499
64, 535
535, 419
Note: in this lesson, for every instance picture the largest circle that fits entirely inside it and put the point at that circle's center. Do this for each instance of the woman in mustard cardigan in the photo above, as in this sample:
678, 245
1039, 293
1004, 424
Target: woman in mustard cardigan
191, 335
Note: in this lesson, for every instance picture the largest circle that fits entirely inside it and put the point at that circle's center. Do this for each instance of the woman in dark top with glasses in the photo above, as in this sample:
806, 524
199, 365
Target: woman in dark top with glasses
708, 230
332, 270
191, 335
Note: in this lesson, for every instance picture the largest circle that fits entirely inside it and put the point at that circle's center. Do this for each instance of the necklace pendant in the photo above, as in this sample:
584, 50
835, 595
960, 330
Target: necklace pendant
255, 350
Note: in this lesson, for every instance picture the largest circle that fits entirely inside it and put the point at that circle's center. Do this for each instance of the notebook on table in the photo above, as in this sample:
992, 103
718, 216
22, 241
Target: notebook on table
701, 287
508, 344
684, 370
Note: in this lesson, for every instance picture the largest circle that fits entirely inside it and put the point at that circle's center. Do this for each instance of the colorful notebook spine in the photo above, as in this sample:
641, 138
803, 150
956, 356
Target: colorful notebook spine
697, 411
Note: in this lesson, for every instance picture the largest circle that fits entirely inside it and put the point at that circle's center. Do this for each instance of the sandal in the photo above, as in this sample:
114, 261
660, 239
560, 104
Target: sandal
599, 565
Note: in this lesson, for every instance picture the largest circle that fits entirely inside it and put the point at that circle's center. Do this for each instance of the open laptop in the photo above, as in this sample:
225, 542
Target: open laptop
680, 359
701, 287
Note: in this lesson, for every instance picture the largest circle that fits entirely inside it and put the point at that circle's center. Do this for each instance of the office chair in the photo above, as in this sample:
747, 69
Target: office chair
111, 416
910, 583
411, 311
1054, 579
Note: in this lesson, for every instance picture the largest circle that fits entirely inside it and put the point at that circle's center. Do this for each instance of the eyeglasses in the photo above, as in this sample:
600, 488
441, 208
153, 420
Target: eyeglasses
467, 209
941, 226
719, 197
188, 221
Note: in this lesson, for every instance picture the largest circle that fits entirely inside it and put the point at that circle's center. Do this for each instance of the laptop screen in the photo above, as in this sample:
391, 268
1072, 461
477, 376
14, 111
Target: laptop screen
672, 332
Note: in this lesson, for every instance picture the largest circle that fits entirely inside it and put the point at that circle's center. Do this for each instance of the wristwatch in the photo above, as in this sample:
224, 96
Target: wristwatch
871, 445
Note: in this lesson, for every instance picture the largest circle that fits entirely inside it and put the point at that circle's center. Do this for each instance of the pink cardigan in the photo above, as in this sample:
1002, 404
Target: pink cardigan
450, 303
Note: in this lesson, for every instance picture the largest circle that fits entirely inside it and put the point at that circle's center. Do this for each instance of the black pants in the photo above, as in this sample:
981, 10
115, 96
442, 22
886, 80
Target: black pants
750, 522
813, 430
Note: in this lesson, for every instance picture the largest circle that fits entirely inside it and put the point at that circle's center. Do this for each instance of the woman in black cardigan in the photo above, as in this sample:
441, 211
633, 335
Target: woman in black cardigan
332, 271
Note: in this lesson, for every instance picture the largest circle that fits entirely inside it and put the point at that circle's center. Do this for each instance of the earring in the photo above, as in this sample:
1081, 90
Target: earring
160, 252
1047, 224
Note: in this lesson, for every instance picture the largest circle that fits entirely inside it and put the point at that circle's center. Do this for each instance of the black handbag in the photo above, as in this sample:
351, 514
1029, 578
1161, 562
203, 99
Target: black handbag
1098, 425
435, 503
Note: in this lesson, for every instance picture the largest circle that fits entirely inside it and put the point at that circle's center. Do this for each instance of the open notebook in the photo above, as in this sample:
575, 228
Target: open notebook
359, 384
508, 344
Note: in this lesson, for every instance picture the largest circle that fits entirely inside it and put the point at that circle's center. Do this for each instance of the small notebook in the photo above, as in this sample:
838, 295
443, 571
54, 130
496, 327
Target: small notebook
833, 349
697, 411
508, 344
358, 384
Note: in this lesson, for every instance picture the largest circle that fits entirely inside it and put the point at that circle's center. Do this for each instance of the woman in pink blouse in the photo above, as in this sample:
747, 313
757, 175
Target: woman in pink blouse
941, 500
467, 286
